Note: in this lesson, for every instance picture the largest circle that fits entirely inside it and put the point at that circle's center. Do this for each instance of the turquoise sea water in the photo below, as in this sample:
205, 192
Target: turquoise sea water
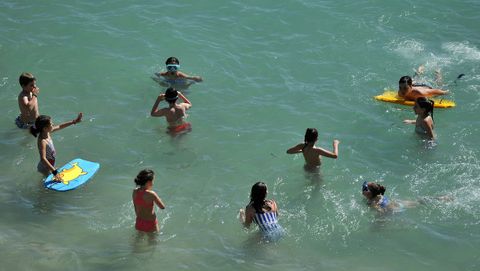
270, 69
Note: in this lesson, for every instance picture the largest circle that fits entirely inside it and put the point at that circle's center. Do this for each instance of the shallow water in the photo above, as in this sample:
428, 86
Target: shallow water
270, 70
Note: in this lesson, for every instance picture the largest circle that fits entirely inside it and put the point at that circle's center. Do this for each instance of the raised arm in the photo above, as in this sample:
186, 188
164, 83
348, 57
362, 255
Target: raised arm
68, 123
155, 112
185, 100
409, 121
330, 154
296, 149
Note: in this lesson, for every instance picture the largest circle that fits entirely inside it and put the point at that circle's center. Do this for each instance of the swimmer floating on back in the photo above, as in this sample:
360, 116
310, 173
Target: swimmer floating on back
310, 152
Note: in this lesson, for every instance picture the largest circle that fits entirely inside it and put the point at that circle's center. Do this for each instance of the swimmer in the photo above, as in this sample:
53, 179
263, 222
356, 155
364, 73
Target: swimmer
409, 91
175, 113
263, 212
27, 101
42, 129
311, 153
374, 193
173, 75
423, 108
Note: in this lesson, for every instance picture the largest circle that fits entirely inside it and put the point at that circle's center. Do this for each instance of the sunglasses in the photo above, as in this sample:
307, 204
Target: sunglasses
173, 67
365, 187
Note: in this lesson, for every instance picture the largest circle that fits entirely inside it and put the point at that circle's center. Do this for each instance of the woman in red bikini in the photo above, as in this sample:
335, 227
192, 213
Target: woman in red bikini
143, 198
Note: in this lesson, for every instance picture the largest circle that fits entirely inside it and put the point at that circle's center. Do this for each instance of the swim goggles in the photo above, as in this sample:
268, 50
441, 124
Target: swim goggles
173, 67
365, 186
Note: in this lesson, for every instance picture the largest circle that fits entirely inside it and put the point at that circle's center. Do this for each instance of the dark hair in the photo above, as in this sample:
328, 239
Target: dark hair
144, 176
257, 196
376, 189
405, 80
41, 122
311, 135
426, 104
25, 78
171, 95
172, 60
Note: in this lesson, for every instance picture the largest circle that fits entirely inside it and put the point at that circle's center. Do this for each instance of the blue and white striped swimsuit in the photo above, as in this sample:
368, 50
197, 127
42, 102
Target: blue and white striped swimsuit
268, 224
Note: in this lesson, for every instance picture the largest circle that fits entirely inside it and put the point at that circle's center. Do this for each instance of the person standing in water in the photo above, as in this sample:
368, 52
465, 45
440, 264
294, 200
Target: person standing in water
423, 108
311, 153
143, 198
42, 130
175, 113
27, 101
263, 212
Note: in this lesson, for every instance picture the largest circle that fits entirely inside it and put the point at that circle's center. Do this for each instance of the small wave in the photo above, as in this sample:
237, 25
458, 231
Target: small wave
464, 50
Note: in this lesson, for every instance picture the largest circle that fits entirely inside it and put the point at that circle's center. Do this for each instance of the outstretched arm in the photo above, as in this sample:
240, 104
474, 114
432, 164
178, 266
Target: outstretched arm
409, 121
296, 149
186, 76
330, 154
68, 123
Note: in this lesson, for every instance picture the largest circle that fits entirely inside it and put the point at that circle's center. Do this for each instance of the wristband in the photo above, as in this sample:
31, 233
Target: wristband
55, 172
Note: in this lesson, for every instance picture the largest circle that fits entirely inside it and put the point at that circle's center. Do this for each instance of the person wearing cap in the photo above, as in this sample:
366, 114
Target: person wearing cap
173, 76
175, 113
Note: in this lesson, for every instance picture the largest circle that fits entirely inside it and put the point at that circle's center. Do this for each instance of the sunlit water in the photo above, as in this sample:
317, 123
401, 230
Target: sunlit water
270, 69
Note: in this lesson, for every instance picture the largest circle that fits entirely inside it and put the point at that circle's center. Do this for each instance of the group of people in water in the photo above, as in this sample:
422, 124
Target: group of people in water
260, 210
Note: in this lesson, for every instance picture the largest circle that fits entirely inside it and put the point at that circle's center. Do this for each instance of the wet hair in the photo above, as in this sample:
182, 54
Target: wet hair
376, 189
144, 176
311, 135
172, 60
426, 104
41, 122
405, 80
257, 196
25, 78
171, 95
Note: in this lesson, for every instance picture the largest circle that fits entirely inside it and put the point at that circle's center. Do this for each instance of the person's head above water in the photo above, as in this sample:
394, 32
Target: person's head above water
41, 123
171, 95
144, 176
404, 84
422, 103
311, 135
371, 190
173, 64
258, 195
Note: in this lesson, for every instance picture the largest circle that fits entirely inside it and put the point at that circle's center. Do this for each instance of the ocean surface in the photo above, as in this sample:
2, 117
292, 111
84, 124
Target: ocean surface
271, 69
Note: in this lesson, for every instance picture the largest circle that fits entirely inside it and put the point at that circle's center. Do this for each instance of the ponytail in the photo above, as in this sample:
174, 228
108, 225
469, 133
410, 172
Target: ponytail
41, 122
426, 104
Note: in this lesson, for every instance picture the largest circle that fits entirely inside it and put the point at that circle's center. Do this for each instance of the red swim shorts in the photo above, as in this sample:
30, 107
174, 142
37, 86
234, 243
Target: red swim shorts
146, 225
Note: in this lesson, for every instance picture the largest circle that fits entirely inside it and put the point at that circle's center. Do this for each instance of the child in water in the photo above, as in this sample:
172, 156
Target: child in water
410, 91
143, 198
173, 76
311, 153
262, 212
423, 108
174, 113
27, 101
42, 129
375, 195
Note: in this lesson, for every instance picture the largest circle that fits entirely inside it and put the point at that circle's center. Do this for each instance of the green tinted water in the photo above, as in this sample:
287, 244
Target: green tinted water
271, 70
